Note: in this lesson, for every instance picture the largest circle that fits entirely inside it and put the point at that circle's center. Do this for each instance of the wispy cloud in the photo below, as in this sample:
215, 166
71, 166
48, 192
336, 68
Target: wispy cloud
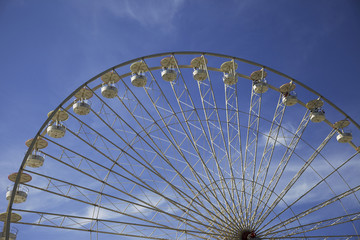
157, 13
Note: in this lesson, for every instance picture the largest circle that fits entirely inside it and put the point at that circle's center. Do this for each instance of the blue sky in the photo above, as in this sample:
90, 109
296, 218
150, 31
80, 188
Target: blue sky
49, 48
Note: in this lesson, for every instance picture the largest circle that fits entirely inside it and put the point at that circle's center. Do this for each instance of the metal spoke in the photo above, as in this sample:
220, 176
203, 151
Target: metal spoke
315, 208
249, 166
140, 183
312, 188
325, 223
235, 155
171, 146
267, 155
283, 163
298, 174
201, 183
319, 237
216, 135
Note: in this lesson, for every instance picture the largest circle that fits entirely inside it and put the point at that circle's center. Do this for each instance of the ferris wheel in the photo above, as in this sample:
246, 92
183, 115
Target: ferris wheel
189, 145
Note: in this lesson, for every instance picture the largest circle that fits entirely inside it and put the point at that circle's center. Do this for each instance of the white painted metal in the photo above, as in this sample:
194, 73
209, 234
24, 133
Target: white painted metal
265, 162
60, 116
260, 86
195, 159
138, 80
199, 74
287, 87
110, 77
281, 166
314, 104
317, 116
168, 74
109, 91
40, 143
14, 217
138, 67
229, 66
344, 137
56, 131
81, 107
20, 194
84, 93
258, 75
341, 124
230, 79
11, 237
24, 177
199, 62
168, 62
249, 162
298, 175
35, 160
290, 99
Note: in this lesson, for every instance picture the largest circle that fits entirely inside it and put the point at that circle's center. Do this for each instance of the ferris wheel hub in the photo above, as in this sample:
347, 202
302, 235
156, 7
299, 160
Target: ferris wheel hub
248, 235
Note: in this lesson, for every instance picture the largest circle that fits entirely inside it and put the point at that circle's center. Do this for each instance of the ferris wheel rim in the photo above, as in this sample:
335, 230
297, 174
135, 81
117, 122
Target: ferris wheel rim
61, 105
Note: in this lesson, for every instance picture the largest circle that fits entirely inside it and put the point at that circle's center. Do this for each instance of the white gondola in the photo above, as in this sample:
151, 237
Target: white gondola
199, 66
230, 78
56, 131
81, 107
168, 74
260, 86
20, 195
12, 234
289, 99
138, 80
344, 137
109, 91
317, 116
199, 74
35, 160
